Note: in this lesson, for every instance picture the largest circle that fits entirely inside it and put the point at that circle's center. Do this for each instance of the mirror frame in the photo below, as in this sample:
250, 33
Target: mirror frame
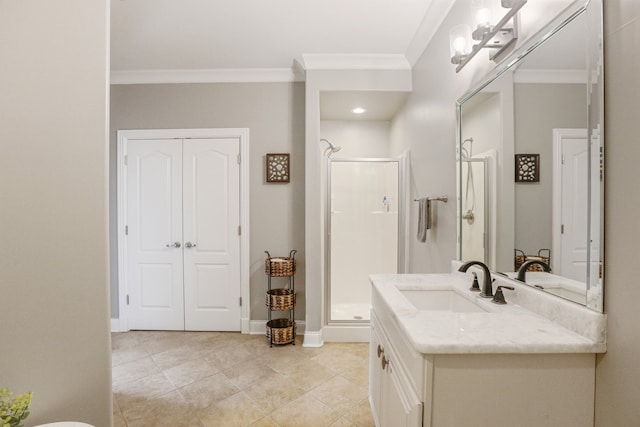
554, 26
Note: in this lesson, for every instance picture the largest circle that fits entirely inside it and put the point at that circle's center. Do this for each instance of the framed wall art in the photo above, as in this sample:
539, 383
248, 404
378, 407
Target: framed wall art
277, 167
527, 167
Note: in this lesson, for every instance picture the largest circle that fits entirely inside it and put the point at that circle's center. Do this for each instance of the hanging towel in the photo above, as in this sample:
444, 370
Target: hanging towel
424, 218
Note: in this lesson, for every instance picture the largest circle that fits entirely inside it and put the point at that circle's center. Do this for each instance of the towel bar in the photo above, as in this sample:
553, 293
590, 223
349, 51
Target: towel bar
436, 199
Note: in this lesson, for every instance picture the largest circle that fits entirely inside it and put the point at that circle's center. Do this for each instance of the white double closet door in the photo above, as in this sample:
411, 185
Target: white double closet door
183, 245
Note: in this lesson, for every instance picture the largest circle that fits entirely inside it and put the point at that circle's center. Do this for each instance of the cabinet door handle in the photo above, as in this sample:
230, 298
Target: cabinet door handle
385, 362
380, 351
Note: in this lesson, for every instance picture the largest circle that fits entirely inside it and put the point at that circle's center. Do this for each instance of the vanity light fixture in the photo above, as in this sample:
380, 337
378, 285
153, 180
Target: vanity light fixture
497, 37
359, 110
482, 15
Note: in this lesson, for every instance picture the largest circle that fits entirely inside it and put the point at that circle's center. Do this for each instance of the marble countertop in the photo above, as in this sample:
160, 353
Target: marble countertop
506, 328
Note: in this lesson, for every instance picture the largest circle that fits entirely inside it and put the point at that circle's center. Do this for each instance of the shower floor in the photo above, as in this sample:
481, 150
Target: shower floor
350, 312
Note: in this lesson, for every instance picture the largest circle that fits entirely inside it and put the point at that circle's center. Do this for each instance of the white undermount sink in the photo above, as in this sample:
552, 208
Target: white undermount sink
440, 300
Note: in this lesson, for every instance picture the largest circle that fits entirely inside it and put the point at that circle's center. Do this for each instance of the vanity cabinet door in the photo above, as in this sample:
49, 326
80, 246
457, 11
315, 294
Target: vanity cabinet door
375, 374
401, 407
393, 402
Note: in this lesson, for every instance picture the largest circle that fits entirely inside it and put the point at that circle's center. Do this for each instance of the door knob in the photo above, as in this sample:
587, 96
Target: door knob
175, 245
189, 245
385, 362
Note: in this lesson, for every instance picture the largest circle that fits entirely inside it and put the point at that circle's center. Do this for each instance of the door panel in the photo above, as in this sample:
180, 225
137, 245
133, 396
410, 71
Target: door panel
575, 184
154, 220
211, 218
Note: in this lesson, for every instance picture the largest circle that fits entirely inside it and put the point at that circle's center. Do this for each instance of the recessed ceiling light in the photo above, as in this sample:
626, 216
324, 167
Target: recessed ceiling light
359, 110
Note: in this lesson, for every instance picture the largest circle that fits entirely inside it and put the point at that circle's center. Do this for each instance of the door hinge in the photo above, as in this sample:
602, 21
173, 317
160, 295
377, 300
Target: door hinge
239, 158
240, 301
562, 229
126, 160
127, 299
563, 159
126, 230
239, 230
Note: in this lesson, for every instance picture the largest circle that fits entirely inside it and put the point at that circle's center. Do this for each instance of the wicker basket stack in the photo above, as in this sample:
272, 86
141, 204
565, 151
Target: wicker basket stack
282, 330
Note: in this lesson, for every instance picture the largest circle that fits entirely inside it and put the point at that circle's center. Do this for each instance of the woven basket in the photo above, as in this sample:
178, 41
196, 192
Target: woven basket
280, 299
283, 331
520, 258
280, 266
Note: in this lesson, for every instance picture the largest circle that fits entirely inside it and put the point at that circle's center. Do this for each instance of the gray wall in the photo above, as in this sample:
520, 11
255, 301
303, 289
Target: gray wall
618, 371
54, 320
539, 108
426, 127
274, 114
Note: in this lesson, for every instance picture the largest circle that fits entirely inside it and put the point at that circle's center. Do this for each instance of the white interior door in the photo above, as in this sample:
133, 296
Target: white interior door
183, 243
212, 243
575, 187
154, 241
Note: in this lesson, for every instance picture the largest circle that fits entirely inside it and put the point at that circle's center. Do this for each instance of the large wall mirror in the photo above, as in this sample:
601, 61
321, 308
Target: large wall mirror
530, 161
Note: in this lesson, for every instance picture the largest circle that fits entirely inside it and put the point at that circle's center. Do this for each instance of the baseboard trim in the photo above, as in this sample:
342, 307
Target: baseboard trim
253, 327
313, 339
257, 327
344, 333
115, 325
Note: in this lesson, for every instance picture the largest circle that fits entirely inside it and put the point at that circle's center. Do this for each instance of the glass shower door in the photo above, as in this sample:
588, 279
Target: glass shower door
363, 232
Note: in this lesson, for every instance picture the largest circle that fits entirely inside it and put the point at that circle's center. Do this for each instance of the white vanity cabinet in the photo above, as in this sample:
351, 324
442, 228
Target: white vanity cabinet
393, 400
460, 383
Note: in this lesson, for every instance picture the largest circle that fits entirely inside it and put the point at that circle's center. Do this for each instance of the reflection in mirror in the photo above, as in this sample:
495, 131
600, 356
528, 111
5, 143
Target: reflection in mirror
530, 157
475, 196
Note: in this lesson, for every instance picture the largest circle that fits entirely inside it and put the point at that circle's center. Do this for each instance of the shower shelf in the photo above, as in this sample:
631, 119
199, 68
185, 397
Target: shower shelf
281, 330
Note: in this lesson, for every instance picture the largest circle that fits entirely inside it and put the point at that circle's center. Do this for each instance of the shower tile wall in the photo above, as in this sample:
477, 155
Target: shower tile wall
364, 232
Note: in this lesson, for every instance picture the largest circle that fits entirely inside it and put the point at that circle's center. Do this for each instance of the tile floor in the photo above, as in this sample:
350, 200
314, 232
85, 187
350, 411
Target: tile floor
206, 379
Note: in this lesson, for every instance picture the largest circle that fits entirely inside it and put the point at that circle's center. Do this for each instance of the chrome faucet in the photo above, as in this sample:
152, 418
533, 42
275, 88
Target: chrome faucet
487, 290
522, 271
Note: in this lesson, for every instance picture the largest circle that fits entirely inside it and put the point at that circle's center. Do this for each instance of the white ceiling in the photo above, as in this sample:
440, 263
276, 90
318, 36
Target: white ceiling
379, 105
262, 34
165, 41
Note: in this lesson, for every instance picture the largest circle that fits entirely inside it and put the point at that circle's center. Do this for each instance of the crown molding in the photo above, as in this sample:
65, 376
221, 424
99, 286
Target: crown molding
431, 23
238, 75
319, 61
551, 76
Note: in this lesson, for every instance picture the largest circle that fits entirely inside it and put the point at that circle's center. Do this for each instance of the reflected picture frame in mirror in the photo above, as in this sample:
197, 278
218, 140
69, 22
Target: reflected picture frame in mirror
561, 216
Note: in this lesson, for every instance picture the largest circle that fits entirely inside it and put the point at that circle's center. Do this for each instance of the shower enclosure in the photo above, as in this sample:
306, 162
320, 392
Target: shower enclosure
362, 223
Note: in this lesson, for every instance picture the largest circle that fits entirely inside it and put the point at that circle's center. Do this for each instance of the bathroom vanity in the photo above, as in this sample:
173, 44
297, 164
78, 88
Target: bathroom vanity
442, 356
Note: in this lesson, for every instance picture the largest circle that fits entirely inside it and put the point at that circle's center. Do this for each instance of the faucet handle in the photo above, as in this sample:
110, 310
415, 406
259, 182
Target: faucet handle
498, 298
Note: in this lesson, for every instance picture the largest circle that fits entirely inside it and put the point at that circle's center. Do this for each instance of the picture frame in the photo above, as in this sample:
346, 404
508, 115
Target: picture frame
277, 167
527, 168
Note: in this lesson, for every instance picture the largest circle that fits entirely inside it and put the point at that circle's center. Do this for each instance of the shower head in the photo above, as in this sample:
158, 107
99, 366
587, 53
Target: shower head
330, 149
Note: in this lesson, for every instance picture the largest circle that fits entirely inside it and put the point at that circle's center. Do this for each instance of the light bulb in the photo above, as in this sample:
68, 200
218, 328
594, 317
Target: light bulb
483, 17
460, 45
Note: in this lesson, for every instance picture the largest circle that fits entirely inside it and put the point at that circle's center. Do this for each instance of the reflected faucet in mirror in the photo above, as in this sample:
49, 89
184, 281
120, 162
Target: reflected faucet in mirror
522, 271
487, 290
